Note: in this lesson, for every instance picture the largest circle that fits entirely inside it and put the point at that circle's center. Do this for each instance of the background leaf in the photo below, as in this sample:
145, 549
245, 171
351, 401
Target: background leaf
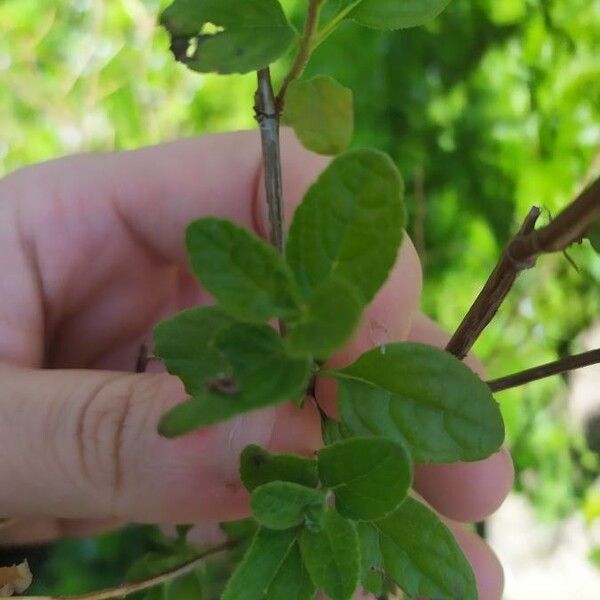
321, 112
245, 274
246, 35
421, 555
424, 397
283, 504
396, 14
349, 224
369, 476
332, 557
594, 237
257, 467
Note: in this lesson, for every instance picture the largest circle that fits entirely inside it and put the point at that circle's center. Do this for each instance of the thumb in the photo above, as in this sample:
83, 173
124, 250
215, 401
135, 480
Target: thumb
83, 444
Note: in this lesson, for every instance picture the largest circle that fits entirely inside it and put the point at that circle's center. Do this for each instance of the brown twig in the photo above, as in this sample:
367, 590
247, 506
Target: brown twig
305, 48
563, 365
520, 254
140, 586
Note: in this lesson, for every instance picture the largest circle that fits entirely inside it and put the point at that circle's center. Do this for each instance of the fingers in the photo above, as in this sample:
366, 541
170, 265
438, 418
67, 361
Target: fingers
461, 491
83, 445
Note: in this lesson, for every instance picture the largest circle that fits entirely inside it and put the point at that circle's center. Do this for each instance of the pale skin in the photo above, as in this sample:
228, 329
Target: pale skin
91, 257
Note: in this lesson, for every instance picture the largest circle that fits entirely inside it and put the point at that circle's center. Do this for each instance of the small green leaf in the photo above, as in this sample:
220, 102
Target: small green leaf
349, 224
246, 275
424, 397
261, 375
227, 36
397, 14
334, 431
332, 316
292, 581
594, 236
369, 476
321, 112
371, 578
282, 504
421, 555
188, 587
332, 556
187, 346
261, 564
155, 563
257, 467
239, 530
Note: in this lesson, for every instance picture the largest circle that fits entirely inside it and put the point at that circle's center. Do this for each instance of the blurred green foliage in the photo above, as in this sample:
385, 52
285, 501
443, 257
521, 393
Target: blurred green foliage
491, 108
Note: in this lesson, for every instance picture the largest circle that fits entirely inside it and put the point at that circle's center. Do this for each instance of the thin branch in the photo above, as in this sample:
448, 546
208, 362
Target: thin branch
140, 586
563, 365
305, 48
520, 254
267, 116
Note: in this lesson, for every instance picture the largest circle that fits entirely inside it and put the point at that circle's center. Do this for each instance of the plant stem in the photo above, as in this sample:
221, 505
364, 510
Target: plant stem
563, 365
305, 48
267, 115
520, 254
140, 586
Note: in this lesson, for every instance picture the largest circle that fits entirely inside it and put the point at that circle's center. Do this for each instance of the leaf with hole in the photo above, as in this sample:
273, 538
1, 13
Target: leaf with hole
424, 397
283, 504
257, 467
332, 556
397, 14
421, 555
261, 564
227, 36
321, 112
260, 374
369, 476
246, 275
371, 578
349, 224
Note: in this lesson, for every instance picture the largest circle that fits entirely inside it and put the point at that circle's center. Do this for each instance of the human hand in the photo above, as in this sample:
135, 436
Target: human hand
92, 257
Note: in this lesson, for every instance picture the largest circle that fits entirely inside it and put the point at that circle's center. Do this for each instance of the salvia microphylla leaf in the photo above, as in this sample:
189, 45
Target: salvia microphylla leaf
371, 578
157, 593
321, 112
332, 556
331, 317
349, 224
247, 276
594, 236
260, 374
370, 476
397, 14
261, 564
283, 504
292, 581
188, 587
227, 36
421, 555
155, 563
257, 467
424, 397
239, 530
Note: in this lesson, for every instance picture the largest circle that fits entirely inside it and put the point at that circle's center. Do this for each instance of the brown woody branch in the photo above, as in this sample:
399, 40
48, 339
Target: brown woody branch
520, 254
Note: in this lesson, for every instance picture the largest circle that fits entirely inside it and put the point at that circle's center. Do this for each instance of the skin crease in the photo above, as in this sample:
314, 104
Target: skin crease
92, 257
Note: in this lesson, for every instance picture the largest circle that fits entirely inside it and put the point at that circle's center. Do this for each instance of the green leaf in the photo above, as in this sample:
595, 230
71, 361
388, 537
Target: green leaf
246, 275
292, 581
349, 224
188, 587
334, 431
227, 36
332, 556
424, 397
282, 504
257, 467
371, 559
421, 555
594, 237
321, 112
261, 375
157, 593
187, 346
261, 564
240, 529
369, 476
155, 563
332, 315
397, 14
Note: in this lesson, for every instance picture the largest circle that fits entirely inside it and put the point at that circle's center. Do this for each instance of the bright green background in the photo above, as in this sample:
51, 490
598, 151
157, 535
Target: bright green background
493, 107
